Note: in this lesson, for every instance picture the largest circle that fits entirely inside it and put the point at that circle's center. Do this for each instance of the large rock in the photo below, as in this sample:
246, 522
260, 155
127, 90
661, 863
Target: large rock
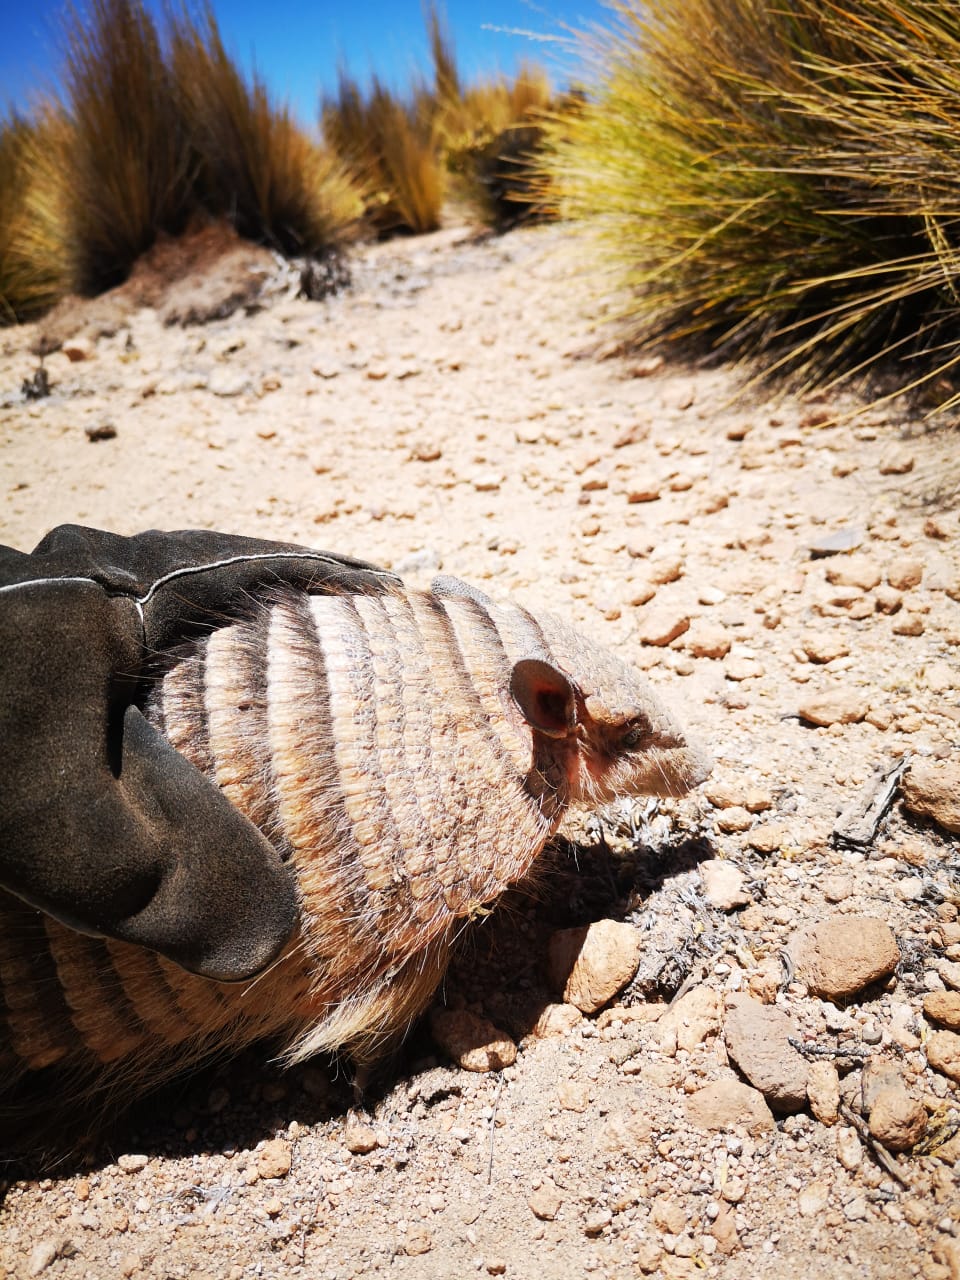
726, 1104
695, 1016
590, 965
838, 957
758, 1041
472, 1042
943, 1053
943, 1007
835, 706
932, 789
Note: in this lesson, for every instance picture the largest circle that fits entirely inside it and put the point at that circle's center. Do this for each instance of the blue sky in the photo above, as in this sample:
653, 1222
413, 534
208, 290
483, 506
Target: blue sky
297, 45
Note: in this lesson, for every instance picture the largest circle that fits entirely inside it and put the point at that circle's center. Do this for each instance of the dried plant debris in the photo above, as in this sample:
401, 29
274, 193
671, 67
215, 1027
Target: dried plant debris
857, 825
37, 386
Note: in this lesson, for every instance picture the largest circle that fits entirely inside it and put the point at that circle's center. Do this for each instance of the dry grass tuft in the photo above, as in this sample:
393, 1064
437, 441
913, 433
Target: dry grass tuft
253, 165
154, 133
30, 256
443, 139
492, 136
124, 166
158, 131
779, 181
390, 147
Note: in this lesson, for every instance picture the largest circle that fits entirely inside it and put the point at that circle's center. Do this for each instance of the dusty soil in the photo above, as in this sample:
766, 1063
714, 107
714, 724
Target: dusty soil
451, 411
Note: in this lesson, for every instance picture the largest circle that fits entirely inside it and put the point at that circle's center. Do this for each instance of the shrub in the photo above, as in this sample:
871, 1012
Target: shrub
410, 152
153, 134
778, 180
30, 249
253, 164
123, 162
491, 139
390, 147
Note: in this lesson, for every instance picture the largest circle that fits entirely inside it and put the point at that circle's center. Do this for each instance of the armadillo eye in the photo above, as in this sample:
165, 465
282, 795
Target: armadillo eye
635, 734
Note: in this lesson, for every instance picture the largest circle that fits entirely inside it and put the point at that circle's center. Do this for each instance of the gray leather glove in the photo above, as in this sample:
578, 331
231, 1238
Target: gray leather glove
103, 825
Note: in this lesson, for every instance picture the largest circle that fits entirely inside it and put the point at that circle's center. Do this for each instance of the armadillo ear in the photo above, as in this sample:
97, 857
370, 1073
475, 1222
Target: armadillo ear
545, 695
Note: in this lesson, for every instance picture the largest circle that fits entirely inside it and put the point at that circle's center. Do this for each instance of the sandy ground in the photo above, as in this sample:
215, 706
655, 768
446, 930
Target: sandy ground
451, 412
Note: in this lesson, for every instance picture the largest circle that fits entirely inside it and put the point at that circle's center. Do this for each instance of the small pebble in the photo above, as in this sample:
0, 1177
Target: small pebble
41, 1256
943, 1053
707, 640
836, 706
849, 1149
904, 574
274, 1159
727, 1103
943, 1007
897, 1120
358, 1137
895, 462
596, 1221
838, 957
853, 571
758, 1038
659, 627
824, 646
102, 431
590, 965
932, 789
813, 1199
472, 1042
723, 885
417, 1241
546, 1201
823, 1091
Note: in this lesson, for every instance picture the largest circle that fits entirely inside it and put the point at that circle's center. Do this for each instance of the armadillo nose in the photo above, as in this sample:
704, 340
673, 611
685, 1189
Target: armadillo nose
699, 764
681, 769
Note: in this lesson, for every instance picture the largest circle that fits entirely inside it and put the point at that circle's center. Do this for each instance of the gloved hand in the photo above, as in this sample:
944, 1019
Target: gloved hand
103, 825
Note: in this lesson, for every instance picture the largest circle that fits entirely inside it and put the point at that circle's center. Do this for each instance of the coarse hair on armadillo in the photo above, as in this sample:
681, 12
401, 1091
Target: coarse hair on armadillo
409, 753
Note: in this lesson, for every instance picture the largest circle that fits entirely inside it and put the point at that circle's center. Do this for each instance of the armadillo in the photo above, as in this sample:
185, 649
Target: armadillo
410, 753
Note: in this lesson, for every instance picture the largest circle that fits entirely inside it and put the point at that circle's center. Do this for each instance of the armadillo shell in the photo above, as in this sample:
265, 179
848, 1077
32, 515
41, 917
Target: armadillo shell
373, 739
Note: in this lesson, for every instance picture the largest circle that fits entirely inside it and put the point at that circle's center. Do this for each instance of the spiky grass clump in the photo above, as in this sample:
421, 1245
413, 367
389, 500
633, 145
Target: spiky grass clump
125, 164
253, 165
489, 133
779, 181
390, 147
440, 139
155, 132
492, 134
31, 268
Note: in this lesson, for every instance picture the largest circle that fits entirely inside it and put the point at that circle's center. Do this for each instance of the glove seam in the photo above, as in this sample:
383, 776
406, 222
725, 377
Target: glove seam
189, 570
45, 582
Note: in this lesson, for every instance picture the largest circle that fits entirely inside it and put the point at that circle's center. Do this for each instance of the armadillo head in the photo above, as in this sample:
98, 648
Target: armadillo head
602, 723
